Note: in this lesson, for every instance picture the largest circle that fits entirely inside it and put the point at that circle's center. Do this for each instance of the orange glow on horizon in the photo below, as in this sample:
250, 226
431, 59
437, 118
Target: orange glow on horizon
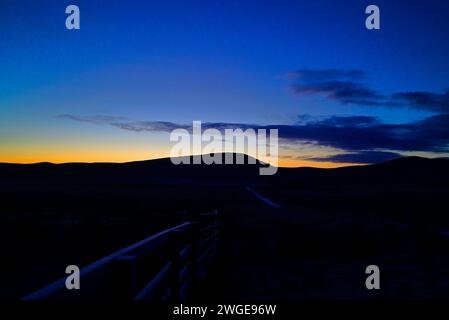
87, 155
289, 163
90, 157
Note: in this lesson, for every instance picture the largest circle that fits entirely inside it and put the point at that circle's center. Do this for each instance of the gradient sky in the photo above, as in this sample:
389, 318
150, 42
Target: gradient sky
219, 62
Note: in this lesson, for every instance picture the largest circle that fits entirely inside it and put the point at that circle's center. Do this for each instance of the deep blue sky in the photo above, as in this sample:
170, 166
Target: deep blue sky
215, 61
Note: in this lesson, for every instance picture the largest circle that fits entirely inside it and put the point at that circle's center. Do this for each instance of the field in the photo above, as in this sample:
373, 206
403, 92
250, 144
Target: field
331, 225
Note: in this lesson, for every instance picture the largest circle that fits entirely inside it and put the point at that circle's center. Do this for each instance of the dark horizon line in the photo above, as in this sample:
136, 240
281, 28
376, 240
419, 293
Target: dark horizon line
222, 153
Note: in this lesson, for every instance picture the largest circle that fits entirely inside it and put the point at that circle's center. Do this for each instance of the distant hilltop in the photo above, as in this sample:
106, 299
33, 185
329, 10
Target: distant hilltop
407, 170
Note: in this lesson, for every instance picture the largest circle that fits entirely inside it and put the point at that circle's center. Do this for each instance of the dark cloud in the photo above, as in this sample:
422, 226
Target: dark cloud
344, 86
425, 100
350, 133
363, 139
430, 134
361, 157
346, 92
348, 87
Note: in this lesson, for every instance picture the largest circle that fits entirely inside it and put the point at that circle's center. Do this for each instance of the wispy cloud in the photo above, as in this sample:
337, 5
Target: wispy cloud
125, 123
345, 86
98, 119
149, 126
349, 87
362, 137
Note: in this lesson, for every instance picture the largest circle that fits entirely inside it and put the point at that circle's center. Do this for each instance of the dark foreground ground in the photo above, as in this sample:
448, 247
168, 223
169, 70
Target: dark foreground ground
300, 253
332, 224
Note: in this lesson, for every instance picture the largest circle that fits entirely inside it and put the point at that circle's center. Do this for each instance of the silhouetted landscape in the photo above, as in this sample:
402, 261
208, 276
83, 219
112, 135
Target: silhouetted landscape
330, 224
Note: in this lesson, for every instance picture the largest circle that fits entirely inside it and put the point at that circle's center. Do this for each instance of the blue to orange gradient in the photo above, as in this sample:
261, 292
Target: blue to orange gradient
220, 62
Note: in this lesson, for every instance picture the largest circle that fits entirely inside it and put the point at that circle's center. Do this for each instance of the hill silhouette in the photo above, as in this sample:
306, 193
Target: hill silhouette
407, 170
161, 171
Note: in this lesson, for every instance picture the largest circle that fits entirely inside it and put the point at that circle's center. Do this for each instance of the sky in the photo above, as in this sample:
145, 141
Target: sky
112, 91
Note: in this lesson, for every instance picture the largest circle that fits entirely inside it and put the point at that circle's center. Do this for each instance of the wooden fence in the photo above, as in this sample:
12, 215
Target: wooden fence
164, 266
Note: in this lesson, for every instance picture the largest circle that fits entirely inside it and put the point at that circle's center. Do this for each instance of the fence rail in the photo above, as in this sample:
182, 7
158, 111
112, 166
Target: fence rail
165, 266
